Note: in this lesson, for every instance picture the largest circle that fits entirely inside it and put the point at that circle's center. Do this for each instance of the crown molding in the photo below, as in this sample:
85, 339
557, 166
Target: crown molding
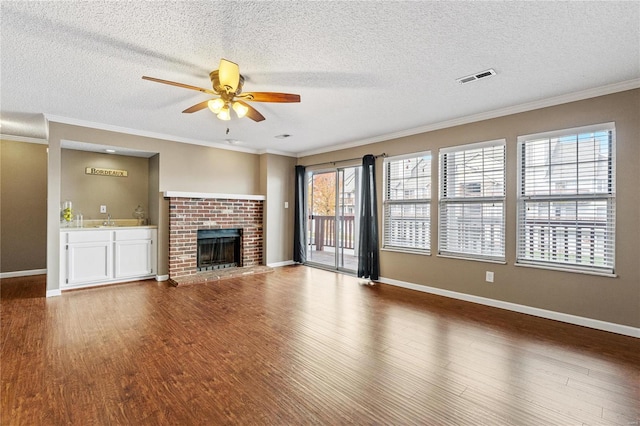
23, 139
212, 195
501, 112
146, 134
276, 152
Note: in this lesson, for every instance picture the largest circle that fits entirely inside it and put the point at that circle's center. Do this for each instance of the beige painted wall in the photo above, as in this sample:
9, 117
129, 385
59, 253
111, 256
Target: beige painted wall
263, 191
182, 167
158, 212
154, 188
121, 195
23, 201
277, 183
615, 300
177, 167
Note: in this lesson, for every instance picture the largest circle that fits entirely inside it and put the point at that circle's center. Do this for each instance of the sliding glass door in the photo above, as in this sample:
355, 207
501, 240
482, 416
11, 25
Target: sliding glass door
332, 225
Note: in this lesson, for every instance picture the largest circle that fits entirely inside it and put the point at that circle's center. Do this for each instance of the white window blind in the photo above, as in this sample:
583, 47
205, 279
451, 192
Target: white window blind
472, 193
566, 199
407, 202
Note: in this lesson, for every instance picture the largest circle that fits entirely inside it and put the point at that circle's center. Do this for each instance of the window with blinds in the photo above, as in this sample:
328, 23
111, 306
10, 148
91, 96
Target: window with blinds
566, 199
407, 202
471, 205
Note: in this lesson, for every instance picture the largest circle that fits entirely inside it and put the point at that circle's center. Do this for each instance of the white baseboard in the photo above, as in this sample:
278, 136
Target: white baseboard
53, 293
543, 313
162, 277
278, 264
22, 273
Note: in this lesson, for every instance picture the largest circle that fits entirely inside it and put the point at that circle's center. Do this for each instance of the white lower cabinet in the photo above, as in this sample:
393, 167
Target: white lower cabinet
134, 253
91, 257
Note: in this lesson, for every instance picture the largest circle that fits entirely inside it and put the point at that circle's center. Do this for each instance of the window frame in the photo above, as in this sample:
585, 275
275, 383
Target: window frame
424, 202
609, 196
445, 201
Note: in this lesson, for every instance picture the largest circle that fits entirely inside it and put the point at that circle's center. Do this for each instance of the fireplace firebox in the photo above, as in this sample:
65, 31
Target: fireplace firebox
219, 249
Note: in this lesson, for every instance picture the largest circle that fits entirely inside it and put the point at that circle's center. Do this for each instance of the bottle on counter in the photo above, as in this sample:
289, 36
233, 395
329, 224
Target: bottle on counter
67, 214
138, 213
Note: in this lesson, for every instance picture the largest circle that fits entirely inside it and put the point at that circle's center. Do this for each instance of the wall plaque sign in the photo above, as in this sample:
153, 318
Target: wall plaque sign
105, 172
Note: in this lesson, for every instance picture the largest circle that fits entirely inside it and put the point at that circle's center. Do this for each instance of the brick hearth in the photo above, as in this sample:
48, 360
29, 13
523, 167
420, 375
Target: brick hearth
187, 215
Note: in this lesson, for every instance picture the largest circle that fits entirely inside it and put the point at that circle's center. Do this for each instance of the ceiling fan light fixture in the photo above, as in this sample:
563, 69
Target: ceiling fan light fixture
240, 109
216, 105
224, 114
229, 75
227, 85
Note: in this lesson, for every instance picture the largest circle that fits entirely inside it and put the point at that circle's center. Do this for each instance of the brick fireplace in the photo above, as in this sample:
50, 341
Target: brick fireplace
190, 212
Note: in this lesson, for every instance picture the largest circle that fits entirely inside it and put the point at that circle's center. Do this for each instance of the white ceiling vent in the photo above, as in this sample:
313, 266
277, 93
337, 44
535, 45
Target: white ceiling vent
477, 76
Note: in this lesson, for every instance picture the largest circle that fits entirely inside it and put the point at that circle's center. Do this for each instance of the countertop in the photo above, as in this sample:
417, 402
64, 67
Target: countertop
97, 224
106, 228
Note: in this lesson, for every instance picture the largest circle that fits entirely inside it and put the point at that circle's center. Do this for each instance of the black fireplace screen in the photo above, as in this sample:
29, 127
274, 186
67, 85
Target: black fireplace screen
219, 248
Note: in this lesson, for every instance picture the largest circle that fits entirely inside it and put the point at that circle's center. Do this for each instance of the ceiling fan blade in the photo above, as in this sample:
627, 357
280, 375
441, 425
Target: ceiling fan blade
252, 113
184, 86
197, 107
269, 97
229, 75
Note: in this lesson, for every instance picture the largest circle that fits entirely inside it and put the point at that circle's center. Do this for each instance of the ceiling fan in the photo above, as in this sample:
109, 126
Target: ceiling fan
227, 86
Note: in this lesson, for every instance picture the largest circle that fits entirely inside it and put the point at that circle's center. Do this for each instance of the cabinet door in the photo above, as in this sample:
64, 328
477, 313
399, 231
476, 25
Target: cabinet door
88, 262
133, 258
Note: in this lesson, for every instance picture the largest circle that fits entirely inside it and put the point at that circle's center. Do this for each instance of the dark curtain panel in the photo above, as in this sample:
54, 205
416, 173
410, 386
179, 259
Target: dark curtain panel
300, 224
368, 255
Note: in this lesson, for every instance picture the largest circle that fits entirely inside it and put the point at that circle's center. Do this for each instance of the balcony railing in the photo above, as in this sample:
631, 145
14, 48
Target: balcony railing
323, 231
578, 242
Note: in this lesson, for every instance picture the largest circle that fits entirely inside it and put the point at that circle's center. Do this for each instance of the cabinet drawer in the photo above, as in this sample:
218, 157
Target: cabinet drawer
88, 236
133, 234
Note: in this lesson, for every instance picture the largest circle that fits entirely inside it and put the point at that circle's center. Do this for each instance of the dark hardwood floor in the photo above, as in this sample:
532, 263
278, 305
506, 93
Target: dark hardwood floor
300, 346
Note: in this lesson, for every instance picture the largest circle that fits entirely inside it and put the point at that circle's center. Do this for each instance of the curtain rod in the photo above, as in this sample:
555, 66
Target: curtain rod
383, 155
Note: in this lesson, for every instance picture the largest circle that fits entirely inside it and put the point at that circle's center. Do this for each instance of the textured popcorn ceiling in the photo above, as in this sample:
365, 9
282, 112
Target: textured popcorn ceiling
364, 70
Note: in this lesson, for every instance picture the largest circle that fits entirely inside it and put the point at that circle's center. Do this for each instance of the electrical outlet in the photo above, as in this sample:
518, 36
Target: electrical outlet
286, 204
489, 277
103, 209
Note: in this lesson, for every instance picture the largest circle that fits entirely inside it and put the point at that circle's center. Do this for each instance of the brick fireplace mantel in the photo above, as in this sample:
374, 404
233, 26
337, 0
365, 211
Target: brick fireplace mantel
189, 212
208, 195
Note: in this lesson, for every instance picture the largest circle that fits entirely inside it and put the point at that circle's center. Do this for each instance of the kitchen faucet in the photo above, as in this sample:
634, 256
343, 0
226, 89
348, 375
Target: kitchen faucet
108, 222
